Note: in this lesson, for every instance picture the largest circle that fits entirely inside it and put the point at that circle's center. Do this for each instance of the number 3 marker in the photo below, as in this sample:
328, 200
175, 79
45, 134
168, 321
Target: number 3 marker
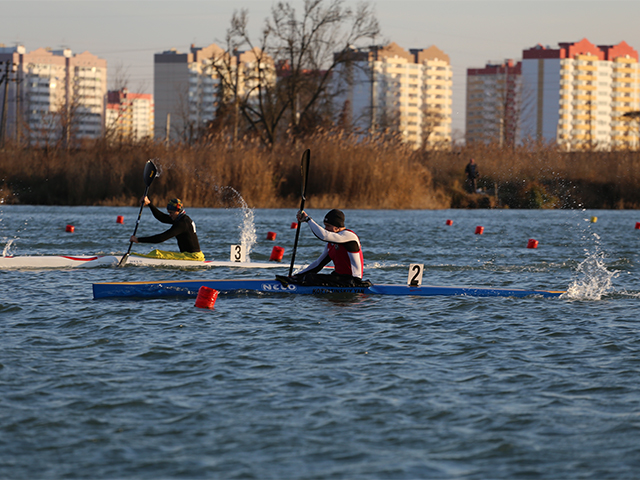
237, 254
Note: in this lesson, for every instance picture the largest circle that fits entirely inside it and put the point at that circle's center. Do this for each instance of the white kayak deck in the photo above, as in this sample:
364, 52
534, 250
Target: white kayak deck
89, 261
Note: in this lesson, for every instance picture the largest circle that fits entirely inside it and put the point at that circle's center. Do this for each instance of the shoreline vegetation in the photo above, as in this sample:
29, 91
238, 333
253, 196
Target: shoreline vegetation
345, 172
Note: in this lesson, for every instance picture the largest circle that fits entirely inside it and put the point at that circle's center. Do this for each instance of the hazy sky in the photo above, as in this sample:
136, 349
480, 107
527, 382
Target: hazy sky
471, 32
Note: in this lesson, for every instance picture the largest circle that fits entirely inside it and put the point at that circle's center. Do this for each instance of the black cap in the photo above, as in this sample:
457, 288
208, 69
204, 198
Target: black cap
335, 218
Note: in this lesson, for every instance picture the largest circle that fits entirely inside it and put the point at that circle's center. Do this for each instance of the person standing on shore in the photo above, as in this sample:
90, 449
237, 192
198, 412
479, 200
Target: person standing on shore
472, 176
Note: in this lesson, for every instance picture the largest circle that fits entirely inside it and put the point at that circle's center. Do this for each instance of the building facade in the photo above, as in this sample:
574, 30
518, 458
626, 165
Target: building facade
53, 96
578, 95
188, 87
493, 100
129, 116
388, 89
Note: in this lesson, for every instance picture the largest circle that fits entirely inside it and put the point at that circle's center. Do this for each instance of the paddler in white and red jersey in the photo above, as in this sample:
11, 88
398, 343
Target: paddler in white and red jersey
343, 249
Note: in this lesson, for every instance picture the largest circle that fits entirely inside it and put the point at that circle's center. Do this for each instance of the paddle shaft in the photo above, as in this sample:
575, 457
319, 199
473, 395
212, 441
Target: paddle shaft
150, 172
295, 243
146, 190
304, 169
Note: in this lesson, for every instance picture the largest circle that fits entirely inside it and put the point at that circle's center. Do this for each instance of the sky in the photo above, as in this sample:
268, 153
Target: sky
472, 32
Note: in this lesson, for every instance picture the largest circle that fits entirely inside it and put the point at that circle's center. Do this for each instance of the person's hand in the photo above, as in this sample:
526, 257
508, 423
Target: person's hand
145, 201
302, 217
133, 239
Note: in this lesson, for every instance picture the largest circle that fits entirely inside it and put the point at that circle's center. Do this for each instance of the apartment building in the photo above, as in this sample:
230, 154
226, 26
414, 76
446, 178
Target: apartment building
53, 95
388, 89
577, 95
189, 86
493, 100
129, 116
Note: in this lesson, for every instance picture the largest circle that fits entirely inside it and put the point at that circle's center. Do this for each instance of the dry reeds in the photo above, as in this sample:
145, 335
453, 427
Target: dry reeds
345, 172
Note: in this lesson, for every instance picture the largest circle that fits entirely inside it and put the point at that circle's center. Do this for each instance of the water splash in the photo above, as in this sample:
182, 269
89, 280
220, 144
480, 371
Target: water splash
592, 278
248, 237
7, 248
247, 227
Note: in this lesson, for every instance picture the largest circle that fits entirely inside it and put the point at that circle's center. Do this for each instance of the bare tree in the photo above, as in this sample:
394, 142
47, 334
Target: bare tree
304, 49
432, 118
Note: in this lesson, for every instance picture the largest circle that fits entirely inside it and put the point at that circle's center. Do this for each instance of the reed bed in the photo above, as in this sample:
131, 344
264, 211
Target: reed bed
345, 172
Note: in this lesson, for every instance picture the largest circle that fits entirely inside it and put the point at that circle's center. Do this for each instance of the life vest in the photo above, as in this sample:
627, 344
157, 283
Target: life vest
346, 263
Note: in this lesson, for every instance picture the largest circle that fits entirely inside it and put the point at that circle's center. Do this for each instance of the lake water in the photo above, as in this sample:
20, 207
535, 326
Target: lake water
342, 387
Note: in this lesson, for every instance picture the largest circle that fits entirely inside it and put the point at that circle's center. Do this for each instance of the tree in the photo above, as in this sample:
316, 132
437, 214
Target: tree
306, 50
432, 118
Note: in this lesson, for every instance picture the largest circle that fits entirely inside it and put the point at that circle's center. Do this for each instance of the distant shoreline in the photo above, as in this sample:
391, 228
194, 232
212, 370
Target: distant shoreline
343, 174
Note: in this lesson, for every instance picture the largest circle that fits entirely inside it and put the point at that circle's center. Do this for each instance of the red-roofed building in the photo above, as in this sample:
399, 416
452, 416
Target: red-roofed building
577, 94
574, 95
129, 116
493, 103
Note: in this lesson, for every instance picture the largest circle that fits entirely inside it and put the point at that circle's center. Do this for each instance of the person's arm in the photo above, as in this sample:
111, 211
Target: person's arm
319, 263
160, 216
175, 230
343, 237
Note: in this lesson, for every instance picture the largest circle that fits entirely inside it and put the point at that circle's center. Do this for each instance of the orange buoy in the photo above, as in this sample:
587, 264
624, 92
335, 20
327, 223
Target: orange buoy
120, 219
206, 297
637, 225
479, 230
70, 228
294, 225
449, 222
276, 254
271, 235
533, 243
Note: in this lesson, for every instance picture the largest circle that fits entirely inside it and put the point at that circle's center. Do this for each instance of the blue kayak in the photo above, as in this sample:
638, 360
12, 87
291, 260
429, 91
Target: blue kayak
189, 288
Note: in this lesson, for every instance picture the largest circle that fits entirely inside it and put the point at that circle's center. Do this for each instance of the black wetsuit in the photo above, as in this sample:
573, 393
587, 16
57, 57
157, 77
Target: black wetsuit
182, 228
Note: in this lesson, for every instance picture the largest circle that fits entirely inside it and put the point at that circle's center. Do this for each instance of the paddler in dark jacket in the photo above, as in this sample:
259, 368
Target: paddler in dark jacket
182, 227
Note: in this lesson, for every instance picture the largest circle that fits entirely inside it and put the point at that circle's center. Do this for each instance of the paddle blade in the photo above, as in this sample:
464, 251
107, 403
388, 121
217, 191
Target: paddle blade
150, 172
123, 260
304, 167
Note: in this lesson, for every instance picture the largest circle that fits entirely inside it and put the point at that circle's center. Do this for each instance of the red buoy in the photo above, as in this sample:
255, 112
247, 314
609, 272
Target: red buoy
637, 225
206, 297
70, 228
276, 254
479, 230
449, 222
533, 243
120, 219
271, 235
294, 225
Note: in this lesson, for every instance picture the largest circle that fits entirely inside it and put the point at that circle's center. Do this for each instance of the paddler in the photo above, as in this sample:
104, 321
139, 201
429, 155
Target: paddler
182, 228
342, 248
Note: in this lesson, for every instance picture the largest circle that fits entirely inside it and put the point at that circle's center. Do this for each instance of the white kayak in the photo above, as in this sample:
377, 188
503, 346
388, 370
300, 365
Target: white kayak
88, 261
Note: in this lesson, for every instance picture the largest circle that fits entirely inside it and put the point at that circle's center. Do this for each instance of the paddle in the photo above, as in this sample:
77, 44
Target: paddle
150, 172
304, 167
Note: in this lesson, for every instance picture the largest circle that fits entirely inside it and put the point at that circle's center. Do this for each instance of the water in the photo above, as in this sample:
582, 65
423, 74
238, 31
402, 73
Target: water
343, 387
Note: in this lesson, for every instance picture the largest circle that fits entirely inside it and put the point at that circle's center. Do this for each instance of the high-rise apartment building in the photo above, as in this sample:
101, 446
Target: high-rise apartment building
493, 95
189, 86
388, 89
575, 96
129, 116
578, 93
53, 96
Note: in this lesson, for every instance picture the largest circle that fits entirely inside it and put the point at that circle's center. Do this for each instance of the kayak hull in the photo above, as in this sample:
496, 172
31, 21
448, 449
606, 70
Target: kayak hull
87, 261
189, 288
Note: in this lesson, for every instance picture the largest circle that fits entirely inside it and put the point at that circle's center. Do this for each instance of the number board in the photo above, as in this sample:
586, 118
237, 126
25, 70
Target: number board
237, 254
415, 274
